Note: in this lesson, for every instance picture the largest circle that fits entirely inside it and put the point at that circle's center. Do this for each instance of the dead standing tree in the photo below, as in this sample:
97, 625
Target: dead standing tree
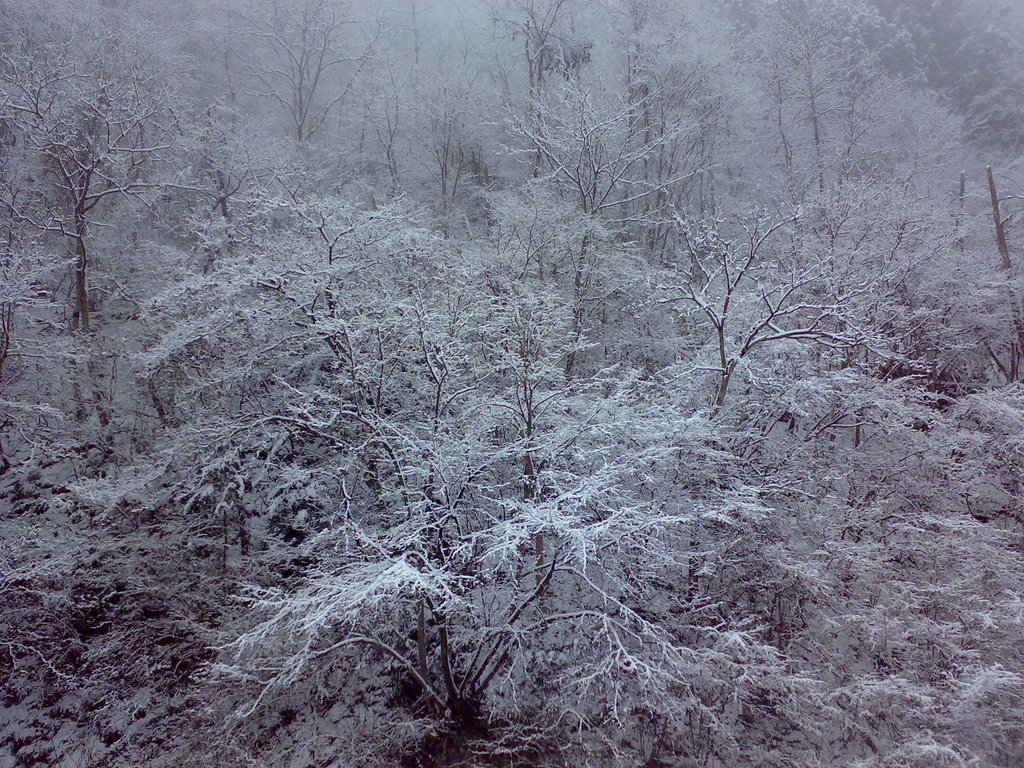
1011, 369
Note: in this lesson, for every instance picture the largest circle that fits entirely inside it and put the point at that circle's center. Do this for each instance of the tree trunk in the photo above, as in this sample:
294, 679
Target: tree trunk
723, 389
816, 128
530, 492
421, 647
1004, 251
80, 318
961, 198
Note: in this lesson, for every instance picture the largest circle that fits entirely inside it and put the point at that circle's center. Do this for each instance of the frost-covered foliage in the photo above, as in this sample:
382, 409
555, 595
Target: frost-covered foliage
540, 383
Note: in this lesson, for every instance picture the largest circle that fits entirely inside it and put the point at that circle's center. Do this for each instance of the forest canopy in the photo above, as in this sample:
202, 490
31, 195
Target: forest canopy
511, 383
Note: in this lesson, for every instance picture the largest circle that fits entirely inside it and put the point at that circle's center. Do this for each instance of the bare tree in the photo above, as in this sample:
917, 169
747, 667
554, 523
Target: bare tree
752, 300
549, 47
299, 57
90, 115
593, 150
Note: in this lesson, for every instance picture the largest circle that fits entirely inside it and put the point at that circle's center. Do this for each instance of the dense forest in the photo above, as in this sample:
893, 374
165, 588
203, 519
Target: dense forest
511, 383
